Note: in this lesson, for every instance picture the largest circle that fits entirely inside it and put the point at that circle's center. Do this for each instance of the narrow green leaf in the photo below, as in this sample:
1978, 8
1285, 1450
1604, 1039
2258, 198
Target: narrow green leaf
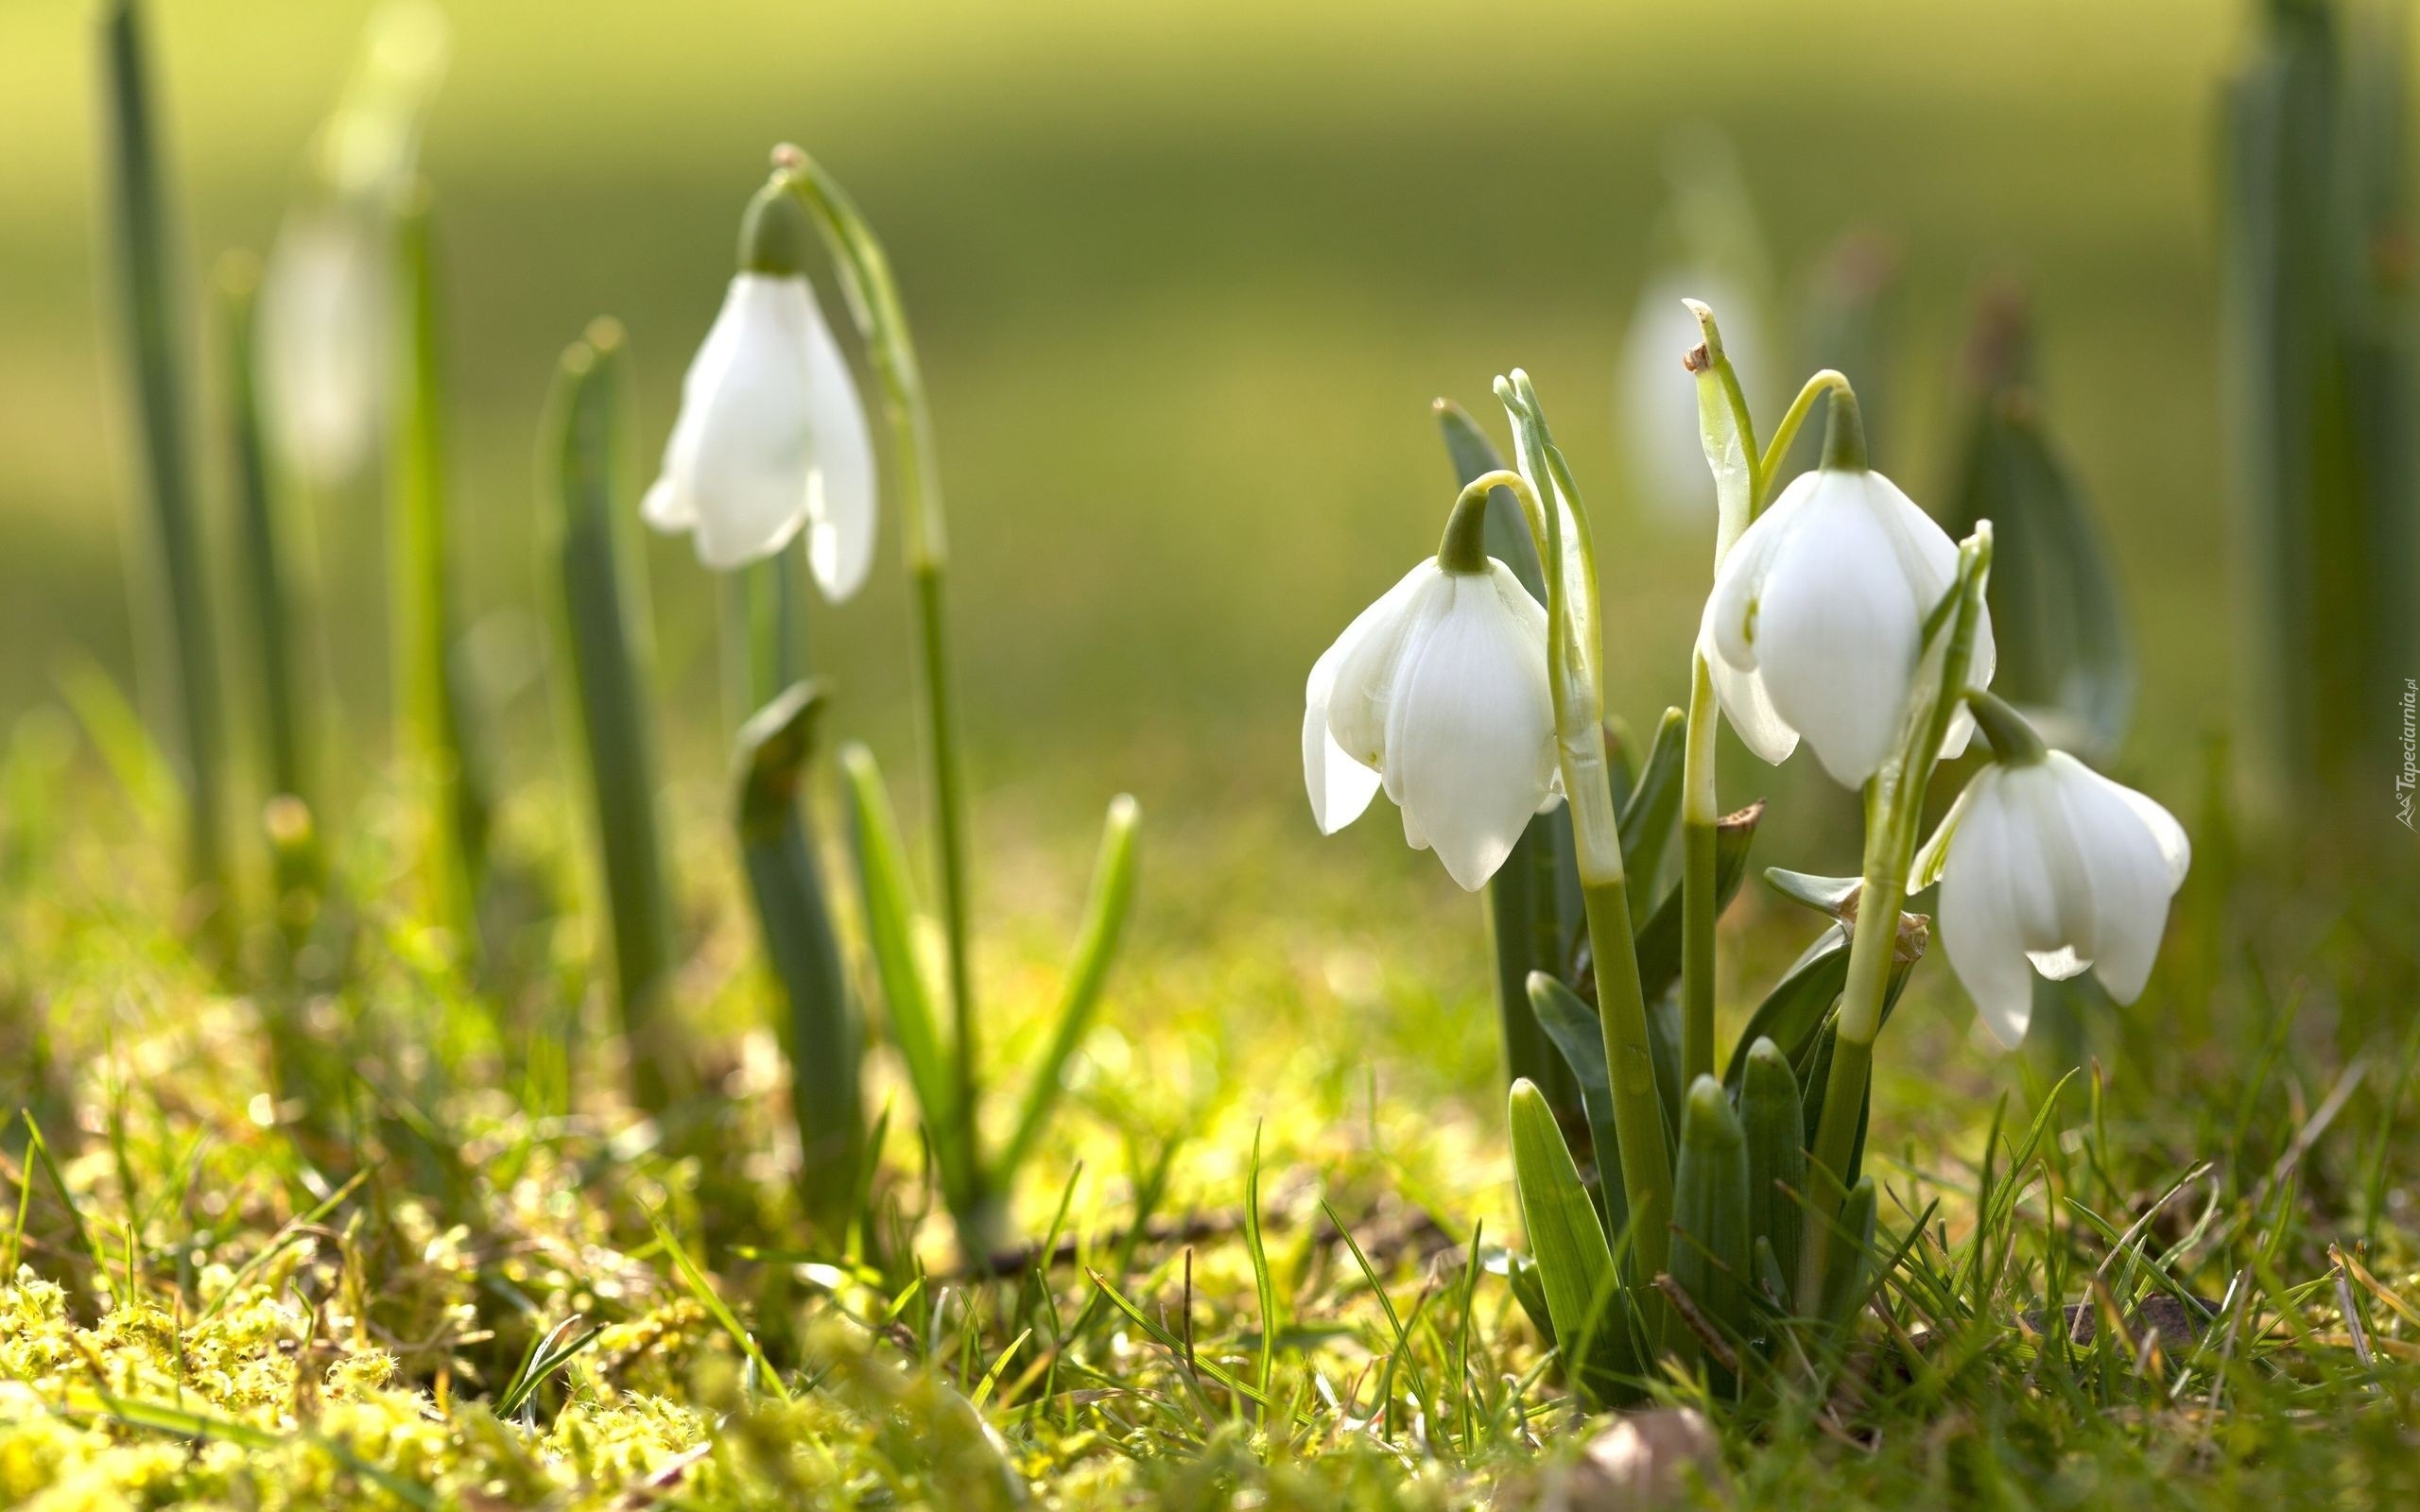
1575, 1262
1572, 1027
1710, 1208
182, 642
1795, 1008
1775, 1123
1659, 938
1105, 910
601, 626
1852, 1271
821, 1035
1651, 808
891, 929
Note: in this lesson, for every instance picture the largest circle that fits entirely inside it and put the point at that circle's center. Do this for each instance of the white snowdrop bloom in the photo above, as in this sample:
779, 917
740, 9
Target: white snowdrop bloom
1438, 693
325, 341
1816, 622
1656, 406
2050, 863
771, 438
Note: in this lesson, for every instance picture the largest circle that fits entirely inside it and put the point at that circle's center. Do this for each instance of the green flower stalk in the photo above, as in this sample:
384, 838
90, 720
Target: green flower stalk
602, 629
1893, 805
185, 633
772, 445
1560, 525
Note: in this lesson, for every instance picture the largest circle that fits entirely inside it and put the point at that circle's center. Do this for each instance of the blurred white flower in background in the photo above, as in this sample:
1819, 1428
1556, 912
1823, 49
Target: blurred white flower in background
326, 334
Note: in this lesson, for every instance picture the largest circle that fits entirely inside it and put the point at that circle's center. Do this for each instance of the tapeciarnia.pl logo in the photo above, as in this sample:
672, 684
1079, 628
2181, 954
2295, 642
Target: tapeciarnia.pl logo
2407, 779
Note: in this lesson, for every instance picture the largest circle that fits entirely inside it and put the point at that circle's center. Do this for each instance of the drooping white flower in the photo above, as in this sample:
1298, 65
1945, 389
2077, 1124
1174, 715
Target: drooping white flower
1438, 693
1655, 409
771, 438
325, 340
2046, 861
1816, 622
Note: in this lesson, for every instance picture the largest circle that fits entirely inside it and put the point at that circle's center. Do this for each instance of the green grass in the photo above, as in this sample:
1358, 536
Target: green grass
326, 1293
343, 1227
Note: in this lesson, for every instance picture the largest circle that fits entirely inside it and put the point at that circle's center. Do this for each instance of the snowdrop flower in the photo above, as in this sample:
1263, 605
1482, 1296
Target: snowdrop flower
2044, 860
1816, 623
1438, 693
325, 340
771, 438
1656, 413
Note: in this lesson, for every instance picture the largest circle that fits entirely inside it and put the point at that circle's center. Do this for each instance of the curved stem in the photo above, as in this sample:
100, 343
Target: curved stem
873, 298
1580, 741
1828, 381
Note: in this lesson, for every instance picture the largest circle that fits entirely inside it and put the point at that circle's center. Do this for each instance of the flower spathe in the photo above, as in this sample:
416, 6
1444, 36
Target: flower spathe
771, 439
1816, 623
2051, 866
1438, 693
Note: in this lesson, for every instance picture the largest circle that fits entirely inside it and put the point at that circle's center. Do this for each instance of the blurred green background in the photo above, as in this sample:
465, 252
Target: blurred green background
1185, 278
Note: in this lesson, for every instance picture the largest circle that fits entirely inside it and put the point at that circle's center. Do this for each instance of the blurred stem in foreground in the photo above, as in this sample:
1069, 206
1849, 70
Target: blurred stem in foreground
602, 627
266, 563
2319, 264
823, 1035
874, 303
152, 314
429, 711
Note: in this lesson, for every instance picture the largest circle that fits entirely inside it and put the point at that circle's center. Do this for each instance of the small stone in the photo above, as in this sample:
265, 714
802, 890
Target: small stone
1645, 1462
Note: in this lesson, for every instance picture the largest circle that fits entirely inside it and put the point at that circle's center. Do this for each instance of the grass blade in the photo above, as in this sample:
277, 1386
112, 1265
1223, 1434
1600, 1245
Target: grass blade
890, 930
1105, 910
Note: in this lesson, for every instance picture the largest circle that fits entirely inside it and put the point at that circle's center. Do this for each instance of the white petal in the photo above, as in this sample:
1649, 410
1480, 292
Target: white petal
2131, 874
1472, 744
1837, 628
1979, 917
665, 506
2175, 851
1366, 657
1733, 609
1339, 786
1929, 558
1745, 703
841, 500
671, 504
753, 444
